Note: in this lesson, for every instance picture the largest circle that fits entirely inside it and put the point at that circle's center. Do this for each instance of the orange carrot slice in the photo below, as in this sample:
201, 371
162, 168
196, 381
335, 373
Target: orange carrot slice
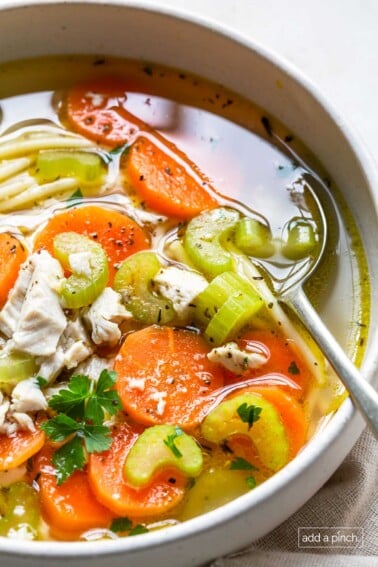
164, 178
17, 448
70, 508
119, 235
94, 109
284, 361
164, 376
12, 255
164, 184
107, 480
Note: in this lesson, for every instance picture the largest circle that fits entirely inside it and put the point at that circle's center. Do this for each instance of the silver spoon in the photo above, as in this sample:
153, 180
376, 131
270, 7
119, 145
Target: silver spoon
363, 395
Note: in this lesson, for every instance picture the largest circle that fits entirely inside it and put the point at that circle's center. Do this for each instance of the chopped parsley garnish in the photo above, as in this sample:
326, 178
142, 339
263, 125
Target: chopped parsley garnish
69, 458
138, 529
240, 464
81, 409
249, 413
76, 196
190, 483
120, 525
42, 382
251, 482
170, 442
118, 151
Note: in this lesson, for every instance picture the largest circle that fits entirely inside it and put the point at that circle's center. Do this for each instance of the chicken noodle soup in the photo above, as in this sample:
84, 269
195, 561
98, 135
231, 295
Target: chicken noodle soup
148, 373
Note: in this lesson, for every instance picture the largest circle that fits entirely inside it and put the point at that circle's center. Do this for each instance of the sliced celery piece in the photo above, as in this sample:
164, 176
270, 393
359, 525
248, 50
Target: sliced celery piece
175, 251
21, 512
301, 240
15, 367
254, 238
87, 282
159, 447
267, 433
235, 313
133, 281
203, 240
211, 299
87, 167
214, 488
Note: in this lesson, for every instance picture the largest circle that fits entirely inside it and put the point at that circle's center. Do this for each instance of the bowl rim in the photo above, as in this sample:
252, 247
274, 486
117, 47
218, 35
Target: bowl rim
346, 420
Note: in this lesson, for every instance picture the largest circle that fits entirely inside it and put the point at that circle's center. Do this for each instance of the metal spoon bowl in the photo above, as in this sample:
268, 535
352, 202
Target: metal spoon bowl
289, 291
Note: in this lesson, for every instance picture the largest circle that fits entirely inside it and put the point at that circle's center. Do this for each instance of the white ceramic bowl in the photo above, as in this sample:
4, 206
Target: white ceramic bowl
28, 28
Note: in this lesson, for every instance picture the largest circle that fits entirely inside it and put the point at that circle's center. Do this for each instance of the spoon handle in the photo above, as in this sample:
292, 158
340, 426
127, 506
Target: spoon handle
363, 395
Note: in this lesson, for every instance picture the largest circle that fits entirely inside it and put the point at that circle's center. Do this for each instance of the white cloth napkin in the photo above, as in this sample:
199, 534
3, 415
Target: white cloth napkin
348, 500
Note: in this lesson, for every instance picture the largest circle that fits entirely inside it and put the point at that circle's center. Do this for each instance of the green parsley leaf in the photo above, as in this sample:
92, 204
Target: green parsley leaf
81, 408
96, 438
251, 482
126, 525
240, 464
68, 459
42, 382
93, 410
139, 529
117, 152
121, 525
170, 442
105, 398
60, 427
249, 414
76, 196
106, 380
71, 400
110, 402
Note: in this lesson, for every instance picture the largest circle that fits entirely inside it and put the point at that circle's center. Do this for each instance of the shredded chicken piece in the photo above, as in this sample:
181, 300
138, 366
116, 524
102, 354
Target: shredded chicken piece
179, 286
104, 317
33, 313
239, 360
